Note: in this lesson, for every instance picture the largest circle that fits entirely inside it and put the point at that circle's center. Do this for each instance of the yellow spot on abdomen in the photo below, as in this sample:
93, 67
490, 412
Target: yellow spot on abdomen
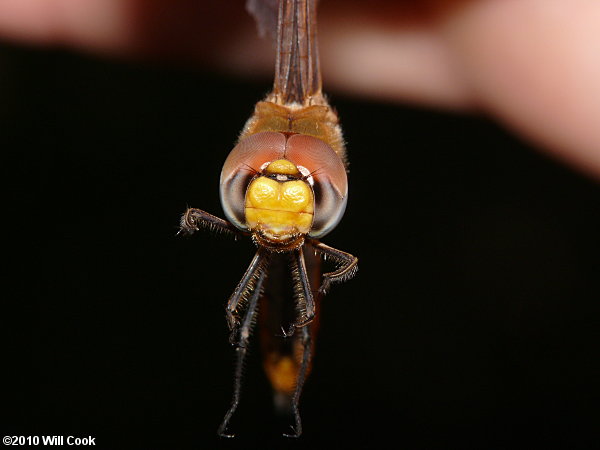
282, 374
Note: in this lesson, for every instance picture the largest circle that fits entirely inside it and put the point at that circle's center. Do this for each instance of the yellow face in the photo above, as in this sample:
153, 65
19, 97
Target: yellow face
278, 205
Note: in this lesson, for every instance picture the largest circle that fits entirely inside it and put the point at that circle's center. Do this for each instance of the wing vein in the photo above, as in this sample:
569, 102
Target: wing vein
297, 70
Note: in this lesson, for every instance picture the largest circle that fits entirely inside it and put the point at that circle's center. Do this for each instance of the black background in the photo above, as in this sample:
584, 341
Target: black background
472, 322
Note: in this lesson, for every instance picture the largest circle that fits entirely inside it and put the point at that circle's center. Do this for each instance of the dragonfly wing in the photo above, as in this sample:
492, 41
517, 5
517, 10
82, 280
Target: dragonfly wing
297, 70
265, 12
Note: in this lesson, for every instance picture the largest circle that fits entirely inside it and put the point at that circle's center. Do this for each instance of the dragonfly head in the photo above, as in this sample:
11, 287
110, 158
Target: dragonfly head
282, 187
279, 205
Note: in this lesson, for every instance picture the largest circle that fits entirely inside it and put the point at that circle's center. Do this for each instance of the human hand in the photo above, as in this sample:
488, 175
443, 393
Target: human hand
532, 64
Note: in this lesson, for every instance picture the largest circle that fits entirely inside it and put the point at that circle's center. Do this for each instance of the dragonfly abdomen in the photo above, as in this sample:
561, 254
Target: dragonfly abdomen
283, 356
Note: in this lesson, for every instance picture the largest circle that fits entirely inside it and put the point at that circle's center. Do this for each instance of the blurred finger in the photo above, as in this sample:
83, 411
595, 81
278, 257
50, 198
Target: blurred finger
535, 65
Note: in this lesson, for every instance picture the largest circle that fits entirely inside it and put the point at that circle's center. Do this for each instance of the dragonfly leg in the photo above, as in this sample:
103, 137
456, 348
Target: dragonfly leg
304, 295
348, 265
194, 218
241, 350
305, 340
244, 288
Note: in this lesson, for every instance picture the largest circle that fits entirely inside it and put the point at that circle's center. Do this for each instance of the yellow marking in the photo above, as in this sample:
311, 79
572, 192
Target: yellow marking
283, 166
282, 374
279, 209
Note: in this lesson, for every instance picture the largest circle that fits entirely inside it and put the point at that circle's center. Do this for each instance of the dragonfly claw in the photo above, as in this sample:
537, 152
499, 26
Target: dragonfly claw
294, 434
325, 286
228, 436
289, 333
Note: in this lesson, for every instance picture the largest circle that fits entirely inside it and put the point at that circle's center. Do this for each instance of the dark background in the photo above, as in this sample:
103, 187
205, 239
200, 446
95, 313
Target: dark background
472, 322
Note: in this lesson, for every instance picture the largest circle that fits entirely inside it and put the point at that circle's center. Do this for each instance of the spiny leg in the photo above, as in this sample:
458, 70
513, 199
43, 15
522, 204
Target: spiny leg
245, 286
241, 351
193, 218
347, 269
304, 295
306, 341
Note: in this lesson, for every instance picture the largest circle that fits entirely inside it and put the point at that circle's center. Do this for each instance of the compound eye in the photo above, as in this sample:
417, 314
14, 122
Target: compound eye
242, 165
330, 205
327, 176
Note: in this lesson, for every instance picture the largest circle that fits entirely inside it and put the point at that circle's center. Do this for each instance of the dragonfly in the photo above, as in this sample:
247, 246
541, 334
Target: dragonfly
285, 186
